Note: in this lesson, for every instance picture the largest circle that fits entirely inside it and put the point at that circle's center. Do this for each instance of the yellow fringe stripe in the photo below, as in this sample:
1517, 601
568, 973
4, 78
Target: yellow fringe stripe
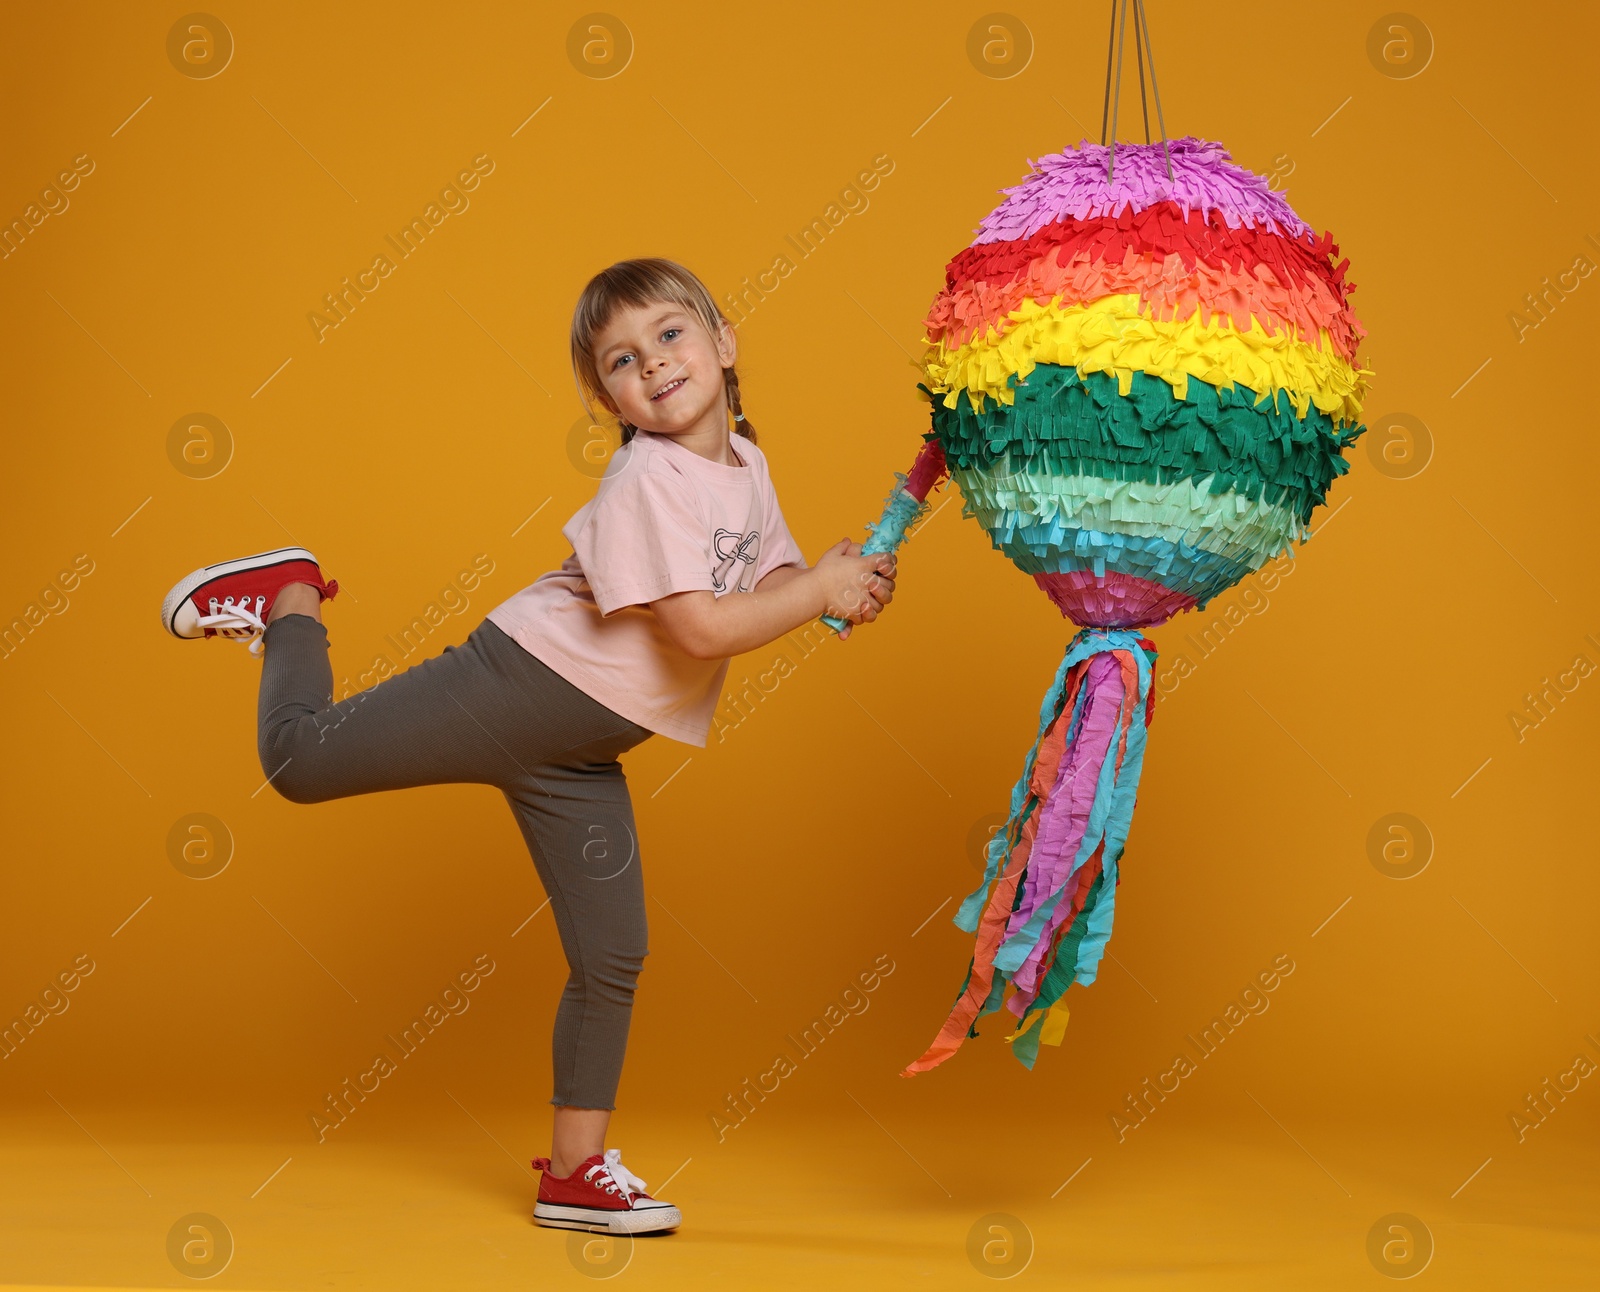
1111, 335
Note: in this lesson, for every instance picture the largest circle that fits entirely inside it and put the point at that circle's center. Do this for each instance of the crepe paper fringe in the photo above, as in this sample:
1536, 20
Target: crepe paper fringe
1062, 549
1113, 599
1065, 423
1204, 178
1111, 335
1166, 290
1043, 911
901, 510
1309, 268
1184, 511
904, 507
907, 501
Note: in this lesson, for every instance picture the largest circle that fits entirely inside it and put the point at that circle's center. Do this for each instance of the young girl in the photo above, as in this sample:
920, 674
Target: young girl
631, 636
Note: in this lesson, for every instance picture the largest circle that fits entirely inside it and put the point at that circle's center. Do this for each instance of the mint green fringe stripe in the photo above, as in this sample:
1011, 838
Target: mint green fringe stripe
1226, 524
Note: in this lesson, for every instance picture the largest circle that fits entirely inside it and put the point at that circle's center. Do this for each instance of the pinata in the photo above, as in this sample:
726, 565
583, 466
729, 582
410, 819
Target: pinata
1143, 375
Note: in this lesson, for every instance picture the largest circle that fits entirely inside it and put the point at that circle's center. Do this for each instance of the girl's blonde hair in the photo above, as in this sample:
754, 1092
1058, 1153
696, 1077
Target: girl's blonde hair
651, 281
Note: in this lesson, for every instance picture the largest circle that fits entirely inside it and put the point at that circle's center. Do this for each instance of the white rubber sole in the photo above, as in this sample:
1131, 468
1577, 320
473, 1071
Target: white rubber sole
185, 587
646, 1220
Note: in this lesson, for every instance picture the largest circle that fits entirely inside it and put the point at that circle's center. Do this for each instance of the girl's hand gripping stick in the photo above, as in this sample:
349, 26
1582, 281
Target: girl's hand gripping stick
906, 505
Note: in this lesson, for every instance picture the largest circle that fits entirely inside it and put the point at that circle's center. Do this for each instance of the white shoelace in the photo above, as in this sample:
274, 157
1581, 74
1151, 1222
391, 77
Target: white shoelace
616, 1178
237, 621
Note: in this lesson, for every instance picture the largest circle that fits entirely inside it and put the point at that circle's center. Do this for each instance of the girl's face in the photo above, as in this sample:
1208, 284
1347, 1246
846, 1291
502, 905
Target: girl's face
661, 369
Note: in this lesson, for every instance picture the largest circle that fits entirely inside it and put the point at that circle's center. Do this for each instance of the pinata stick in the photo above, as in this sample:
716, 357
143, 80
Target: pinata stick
906, 505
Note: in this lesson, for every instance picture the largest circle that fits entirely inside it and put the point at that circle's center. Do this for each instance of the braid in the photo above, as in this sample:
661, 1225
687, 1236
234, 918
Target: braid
730, 379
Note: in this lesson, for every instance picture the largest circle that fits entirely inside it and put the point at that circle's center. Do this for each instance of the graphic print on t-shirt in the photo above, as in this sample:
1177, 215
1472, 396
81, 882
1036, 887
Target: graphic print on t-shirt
733, 548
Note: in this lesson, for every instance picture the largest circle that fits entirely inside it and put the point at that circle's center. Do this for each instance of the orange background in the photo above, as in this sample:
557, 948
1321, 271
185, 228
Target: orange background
835, 815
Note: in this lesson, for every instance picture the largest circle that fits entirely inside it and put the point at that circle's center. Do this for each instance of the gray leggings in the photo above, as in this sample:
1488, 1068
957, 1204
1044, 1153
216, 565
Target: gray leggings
489, 713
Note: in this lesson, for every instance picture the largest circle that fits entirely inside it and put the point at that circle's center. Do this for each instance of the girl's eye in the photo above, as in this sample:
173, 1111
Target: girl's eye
670, 333
621, 359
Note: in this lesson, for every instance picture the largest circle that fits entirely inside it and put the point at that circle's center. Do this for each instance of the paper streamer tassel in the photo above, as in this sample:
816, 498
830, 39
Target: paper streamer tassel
1043, 910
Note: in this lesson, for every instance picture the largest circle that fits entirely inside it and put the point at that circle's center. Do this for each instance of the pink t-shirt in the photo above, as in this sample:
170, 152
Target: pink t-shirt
664, 520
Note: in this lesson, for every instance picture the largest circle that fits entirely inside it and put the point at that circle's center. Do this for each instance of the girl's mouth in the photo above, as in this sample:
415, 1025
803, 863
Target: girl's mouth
667, 389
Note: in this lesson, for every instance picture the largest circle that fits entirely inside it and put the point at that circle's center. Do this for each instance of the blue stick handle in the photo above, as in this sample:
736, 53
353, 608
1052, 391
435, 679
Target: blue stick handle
901, 510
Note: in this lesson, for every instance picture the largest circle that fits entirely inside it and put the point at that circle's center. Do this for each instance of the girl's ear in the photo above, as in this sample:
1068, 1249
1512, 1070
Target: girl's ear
727, 344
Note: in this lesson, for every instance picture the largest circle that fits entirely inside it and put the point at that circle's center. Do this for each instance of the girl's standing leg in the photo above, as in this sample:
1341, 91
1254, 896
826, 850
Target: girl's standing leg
578, 822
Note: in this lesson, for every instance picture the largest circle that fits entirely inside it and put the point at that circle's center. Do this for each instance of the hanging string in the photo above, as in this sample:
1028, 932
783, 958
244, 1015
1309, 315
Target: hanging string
1144, 25
1111, 108
1116, 103
1138, 53
1105, 111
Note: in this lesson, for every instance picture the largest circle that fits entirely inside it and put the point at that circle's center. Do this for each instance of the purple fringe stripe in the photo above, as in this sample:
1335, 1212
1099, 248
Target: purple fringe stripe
1073, 183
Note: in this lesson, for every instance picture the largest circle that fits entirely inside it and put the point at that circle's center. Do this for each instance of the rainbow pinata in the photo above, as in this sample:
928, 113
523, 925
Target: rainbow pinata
1144, 377
1144, 388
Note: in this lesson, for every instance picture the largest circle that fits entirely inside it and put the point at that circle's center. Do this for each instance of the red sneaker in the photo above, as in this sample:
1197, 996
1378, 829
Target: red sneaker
234, 598
601, 1196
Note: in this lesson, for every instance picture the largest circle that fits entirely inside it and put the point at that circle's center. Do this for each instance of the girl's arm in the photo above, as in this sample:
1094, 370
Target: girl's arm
777, 578
844, 583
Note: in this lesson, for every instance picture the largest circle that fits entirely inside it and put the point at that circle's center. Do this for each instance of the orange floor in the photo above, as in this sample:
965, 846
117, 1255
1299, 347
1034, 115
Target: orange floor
1224, 1204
